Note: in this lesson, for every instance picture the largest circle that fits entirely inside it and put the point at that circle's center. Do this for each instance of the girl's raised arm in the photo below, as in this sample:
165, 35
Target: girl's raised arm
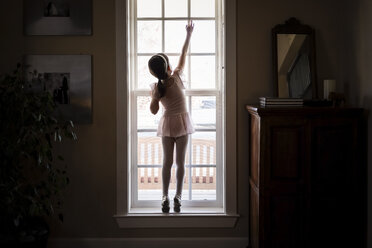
181, 62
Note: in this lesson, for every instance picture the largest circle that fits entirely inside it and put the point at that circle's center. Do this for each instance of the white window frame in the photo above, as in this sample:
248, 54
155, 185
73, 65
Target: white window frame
216, 92
123, 216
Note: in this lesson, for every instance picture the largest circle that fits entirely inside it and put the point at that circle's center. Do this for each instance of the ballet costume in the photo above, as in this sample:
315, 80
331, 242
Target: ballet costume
174, 127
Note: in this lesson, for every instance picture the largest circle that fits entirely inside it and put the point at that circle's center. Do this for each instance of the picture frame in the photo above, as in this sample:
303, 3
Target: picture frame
57, 17
69, 80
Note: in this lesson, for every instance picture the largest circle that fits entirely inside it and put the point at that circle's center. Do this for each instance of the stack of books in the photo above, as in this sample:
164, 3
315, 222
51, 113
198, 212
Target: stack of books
283, 102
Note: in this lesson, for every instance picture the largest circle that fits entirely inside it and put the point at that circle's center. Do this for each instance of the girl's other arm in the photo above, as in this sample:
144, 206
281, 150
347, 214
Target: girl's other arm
155, 97
181, 62
154, 106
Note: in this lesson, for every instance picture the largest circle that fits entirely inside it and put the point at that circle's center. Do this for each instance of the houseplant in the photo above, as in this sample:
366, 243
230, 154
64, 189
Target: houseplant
31, 175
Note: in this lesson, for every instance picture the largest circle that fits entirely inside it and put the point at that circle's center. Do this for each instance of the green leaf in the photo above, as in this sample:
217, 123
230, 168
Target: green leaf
30, 182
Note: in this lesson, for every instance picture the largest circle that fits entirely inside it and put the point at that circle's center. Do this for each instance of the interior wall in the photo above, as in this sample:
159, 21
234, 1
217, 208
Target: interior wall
90, 198
254, 56
358, 74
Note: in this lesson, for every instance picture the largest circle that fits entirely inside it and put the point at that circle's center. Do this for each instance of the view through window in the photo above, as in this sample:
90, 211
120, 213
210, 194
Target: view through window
159, 26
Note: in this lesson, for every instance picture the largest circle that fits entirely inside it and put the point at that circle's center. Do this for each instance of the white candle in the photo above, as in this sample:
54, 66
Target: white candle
329, 86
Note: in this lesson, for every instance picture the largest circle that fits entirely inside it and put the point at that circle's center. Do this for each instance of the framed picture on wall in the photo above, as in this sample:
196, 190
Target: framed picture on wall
68, 79
57, 17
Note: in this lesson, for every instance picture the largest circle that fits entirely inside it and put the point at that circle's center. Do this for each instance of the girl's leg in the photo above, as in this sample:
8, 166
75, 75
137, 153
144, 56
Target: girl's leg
168, 147
181, 146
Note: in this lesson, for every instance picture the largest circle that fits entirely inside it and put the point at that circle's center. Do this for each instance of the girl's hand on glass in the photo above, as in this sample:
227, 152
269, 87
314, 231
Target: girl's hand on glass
189, 27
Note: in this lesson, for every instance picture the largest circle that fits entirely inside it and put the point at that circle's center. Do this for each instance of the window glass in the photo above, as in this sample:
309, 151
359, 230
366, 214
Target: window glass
175, 8
173, 60
148, 8
148, 36
204, 112
203, 74
204, 166
145, 119
203, 37
145, 78
149, 164
202, 8
174, 36
150, 187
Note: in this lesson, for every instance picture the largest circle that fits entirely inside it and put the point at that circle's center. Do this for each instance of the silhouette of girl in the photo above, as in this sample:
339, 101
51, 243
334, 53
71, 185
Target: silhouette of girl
175, 125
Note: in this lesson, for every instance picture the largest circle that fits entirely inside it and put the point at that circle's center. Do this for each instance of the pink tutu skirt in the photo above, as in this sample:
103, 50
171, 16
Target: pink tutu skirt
175, 125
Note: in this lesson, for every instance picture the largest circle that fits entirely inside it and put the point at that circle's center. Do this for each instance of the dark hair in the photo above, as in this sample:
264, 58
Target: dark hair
158, 65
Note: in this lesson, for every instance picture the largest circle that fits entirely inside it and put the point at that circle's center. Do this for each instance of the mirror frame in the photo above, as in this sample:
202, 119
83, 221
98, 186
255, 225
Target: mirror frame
294, 26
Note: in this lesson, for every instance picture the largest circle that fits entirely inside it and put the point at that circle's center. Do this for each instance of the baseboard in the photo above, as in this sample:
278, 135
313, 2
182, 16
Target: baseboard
148, 242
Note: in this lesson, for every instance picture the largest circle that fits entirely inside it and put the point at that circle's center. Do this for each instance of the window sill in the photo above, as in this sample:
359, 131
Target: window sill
189, 218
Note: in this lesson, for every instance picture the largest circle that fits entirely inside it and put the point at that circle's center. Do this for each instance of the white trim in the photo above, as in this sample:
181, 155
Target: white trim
148, 242
135, 92
122, 150
173, 220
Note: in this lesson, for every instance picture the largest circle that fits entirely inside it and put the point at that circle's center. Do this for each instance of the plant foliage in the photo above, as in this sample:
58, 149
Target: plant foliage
31, 176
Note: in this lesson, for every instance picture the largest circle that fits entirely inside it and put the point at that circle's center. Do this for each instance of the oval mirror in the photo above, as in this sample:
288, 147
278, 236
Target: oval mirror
294, 60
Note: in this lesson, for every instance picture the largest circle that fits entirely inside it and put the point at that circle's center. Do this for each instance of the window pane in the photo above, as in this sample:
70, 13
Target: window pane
203, 74
202, 8
204, 111
148, 8
145, 119
149, 151
149, 36
175, 8
150, 184
149, 158
173, 60
145, 78
204, 37
204, 166
175, 35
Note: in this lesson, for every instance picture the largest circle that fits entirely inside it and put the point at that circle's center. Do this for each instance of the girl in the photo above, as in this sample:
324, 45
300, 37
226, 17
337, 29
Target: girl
175, 124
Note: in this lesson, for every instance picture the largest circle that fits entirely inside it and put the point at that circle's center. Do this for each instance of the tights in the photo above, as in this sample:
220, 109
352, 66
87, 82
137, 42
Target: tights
168, 148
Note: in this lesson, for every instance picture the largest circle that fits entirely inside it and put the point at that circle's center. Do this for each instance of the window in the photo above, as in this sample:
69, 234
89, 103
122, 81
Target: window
159, 26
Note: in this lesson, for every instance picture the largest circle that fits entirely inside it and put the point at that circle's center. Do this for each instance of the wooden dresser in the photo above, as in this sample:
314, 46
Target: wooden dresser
307, 177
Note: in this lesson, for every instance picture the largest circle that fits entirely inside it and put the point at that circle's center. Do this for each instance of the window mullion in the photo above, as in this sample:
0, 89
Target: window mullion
163, 26
190, 156
216, 24
189, 51
133, 104
134, 84
134, 158
175, 18
202, 92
